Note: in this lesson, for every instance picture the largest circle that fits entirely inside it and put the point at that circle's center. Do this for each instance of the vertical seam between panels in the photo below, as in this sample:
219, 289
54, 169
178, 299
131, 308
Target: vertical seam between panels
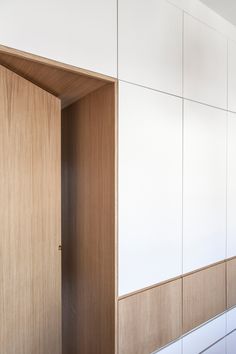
117, 38
183, 14
226, 201
117, 216
182, 194
227, 138
117, 177
182, 265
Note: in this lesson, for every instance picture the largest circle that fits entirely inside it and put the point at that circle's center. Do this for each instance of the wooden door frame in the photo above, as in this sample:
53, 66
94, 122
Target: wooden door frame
46, 73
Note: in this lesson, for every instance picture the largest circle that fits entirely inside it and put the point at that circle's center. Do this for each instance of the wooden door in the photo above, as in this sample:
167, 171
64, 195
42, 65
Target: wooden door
30, 232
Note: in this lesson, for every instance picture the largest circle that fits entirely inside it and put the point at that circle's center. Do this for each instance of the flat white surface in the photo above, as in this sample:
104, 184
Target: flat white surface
203, 337
175, 348
206, 15
232, 76
150, 44
231, 343
205, 64
231, 320
231, 187
226, 8
150, 170
218, 348
204, 202
77, 32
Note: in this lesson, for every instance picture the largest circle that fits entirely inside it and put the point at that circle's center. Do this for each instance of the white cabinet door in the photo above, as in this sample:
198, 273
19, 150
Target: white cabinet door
204, 194
174, 348
78, 32
232, 76
150, 172
231, 187
200, 339
205, 63
150, 44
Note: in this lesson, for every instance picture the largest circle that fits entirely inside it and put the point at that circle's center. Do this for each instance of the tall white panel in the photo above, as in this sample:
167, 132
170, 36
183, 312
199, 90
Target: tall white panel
150, 170
232, 76
77, 32
205, 63
174, 348
200, 339
204, 194
150, 44
231, 187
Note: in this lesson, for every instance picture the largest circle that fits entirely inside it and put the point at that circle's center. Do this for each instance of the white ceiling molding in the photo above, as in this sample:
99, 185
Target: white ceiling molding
205, 14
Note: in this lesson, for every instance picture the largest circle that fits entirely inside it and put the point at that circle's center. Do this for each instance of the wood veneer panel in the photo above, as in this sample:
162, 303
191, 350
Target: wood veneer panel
150, 319
30, 218
231, 283
88, 224
68, 86
64, 81
204, 295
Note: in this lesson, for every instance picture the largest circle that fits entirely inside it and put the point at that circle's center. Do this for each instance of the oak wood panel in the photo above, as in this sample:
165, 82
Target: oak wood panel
204, 295
64, 81
150, 319
50, 62
30, 263
88, 224
66, 85
231, 283
116, 214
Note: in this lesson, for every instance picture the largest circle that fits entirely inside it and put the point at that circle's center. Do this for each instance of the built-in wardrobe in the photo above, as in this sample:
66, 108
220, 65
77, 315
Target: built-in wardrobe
60, 258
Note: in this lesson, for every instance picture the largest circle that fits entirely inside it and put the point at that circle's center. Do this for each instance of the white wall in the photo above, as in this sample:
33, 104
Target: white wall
204, 197
231, 187
78, 32
150, 143
150, 44
152, 55
150, 187
204, 64
232, 76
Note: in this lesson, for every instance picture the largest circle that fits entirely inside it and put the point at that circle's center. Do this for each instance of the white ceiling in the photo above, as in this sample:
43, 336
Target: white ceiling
225, 8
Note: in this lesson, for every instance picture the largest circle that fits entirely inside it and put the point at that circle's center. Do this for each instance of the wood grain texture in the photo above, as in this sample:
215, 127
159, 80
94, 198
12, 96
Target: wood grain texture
116, 214
150, 319
64, 81
231, 283
39, 59
30, 263
88, 224
66, 85
204, 296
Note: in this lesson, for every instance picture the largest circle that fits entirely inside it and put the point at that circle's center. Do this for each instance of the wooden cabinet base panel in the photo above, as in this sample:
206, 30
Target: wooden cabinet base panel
150, 319
153, 317
204, 296
231, 283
